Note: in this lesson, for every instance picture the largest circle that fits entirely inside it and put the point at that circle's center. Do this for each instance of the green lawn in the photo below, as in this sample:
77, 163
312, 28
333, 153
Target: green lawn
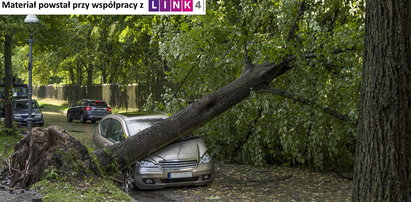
53, 105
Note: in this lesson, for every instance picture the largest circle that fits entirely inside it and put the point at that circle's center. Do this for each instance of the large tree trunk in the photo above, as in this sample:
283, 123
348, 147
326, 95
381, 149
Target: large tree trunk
383, 165
8, 111
123, 154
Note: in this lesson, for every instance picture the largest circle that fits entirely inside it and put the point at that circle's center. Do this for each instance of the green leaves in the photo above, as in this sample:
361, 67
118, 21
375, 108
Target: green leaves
206, 52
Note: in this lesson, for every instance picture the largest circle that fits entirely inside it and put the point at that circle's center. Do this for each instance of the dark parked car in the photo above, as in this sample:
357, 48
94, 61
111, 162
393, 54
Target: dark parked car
20, 112
86, 109
183, 162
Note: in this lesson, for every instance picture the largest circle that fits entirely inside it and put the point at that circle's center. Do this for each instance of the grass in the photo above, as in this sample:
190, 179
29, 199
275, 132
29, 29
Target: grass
7, 143
92, 189
53, 105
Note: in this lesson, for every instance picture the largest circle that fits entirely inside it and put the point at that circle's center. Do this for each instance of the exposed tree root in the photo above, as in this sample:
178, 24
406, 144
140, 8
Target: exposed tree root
45, 148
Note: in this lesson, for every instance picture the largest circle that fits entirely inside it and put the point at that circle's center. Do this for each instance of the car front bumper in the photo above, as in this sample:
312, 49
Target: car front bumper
34, 121
157, 178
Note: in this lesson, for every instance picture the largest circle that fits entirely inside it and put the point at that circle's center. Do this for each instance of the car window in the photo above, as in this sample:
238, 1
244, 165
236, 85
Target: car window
23, 105
115, 131
19, 91
104, 126
135, 126
97, 103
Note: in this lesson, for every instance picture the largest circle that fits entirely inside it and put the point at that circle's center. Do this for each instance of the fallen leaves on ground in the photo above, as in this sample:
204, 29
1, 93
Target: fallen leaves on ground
248, 183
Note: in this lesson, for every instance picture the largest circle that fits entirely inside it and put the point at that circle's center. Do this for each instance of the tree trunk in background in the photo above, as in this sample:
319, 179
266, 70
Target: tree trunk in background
123, 154
79, 74
72, 76
383, 165
8, 110
90, 76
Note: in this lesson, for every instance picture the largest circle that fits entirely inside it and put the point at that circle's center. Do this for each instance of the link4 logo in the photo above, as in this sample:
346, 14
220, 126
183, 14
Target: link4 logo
175, 5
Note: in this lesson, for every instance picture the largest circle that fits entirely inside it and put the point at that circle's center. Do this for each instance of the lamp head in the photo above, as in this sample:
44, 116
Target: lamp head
31, 19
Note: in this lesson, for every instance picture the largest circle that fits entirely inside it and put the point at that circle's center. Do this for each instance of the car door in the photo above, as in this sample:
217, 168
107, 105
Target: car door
77, 109
100, 138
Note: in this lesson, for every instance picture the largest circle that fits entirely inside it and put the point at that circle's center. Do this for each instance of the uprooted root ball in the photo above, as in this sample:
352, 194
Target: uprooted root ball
44, 150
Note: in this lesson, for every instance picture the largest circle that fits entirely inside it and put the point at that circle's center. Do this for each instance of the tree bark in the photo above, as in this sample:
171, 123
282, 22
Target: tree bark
8, 110
123, 154
383, 153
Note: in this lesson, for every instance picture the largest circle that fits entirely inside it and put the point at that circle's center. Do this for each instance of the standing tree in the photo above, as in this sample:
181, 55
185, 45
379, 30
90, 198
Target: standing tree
8, 78
383, 164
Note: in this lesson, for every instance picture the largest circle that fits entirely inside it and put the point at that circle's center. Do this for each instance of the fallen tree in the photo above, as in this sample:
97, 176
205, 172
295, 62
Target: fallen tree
253, 78
45, 148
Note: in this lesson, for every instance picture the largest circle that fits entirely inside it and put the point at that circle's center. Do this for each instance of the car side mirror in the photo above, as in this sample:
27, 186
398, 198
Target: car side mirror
41, 107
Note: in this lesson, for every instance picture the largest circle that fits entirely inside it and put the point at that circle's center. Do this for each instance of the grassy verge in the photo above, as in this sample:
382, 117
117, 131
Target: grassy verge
7, 143
53, 105
93, 189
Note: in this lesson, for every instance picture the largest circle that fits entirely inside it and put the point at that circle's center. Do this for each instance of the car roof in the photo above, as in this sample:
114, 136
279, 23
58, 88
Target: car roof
131, 118
158, 116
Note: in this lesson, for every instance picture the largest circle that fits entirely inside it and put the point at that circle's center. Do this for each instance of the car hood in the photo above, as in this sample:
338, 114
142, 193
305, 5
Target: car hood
25, 111
191, 149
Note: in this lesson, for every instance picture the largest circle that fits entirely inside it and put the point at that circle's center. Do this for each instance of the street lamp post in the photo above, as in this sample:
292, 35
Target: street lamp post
30, 19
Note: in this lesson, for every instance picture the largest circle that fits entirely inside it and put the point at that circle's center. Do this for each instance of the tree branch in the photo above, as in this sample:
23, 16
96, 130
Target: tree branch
293, 29
310, 103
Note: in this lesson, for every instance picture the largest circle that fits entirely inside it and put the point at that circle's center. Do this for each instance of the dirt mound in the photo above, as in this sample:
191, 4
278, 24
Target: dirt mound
45, 149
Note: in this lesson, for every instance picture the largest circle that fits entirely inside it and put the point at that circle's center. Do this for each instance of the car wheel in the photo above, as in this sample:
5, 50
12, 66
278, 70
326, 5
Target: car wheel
69, 118
82, 118
128, 180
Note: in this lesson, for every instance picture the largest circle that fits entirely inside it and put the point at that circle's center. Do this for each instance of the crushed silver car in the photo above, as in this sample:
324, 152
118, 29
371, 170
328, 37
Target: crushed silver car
182, 163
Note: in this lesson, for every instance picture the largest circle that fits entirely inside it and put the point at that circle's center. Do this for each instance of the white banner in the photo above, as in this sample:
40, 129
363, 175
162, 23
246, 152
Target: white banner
103, 7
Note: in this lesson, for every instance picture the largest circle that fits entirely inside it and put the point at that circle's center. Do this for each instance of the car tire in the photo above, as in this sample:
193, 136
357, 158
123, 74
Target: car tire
82, 118
69, 118
128, 180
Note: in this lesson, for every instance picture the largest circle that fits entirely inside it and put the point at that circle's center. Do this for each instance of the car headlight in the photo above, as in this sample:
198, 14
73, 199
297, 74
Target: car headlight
17, 115
206, 158
146, 164
37, 115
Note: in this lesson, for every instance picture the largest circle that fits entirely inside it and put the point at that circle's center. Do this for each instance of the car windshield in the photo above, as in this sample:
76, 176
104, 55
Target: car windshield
23, 105
135, 126
98, 103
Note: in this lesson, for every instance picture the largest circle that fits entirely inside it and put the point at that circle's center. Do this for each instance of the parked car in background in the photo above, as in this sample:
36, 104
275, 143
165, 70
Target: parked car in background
20, 112
19, 91
184, 162
86, 109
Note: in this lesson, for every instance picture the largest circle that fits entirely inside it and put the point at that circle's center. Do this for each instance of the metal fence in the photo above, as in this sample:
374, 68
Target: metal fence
120, 96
